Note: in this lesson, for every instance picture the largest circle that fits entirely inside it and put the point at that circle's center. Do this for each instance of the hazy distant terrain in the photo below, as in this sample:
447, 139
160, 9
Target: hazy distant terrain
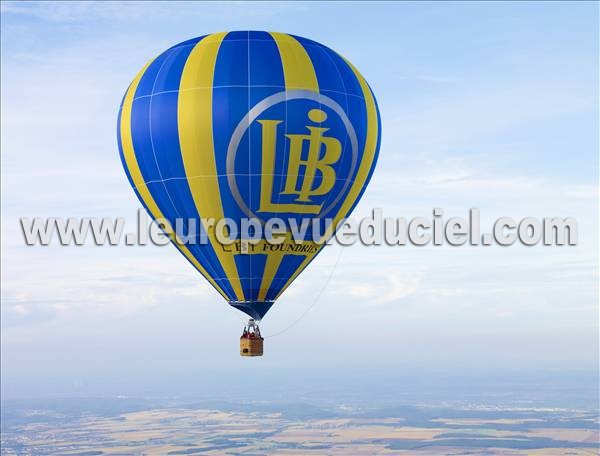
98, 426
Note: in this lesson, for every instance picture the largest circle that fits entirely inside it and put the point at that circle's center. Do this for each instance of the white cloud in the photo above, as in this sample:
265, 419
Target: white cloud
380, 289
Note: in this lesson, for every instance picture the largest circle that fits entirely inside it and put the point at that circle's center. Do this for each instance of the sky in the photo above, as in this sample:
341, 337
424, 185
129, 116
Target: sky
487, 105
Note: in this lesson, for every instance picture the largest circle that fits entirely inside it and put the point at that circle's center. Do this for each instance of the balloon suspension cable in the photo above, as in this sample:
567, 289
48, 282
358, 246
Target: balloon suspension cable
314, 303
252, 327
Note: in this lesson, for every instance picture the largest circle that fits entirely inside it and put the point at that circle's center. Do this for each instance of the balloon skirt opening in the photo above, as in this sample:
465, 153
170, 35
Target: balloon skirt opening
256, 309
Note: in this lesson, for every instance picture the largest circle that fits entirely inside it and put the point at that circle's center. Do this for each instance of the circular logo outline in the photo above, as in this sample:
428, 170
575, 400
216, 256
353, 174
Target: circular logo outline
261, 107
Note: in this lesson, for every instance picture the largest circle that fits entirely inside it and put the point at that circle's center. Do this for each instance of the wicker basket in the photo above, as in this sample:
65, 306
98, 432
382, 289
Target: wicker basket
251, 346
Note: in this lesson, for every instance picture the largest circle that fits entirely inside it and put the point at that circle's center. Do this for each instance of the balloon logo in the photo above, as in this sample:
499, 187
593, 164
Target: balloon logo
249, 125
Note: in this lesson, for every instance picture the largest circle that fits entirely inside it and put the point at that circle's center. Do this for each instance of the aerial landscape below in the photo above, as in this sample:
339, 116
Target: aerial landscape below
327, 424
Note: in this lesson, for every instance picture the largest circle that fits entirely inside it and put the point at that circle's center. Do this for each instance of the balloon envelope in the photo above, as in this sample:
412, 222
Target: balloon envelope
249, 125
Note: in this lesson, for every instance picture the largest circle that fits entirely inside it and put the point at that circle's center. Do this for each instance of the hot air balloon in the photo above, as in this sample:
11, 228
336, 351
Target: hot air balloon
249, 124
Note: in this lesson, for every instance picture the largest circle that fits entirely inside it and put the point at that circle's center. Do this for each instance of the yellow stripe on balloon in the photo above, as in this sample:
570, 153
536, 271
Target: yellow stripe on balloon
298, 70
138, 179
272, 265
299, 74
195, 124
363, 171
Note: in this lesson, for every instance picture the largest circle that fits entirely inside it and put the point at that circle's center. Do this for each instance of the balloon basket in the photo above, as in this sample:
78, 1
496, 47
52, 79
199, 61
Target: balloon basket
251, 342
251, 347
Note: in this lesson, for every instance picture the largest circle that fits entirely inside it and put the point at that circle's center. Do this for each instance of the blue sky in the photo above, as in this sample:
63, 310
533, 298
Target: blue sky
489, 105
